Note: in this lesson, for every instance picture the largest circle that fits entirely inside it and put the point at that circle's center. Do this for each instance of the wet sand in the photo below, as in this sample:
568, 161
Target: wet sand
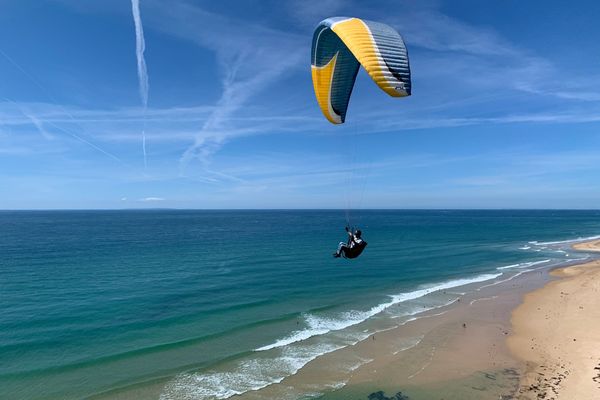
556, 334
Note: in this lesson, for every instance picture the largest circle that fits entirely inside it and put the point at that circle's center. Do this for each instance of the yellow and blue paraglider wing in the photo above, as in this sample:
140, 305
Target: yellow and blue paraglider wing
334, 70
340, 46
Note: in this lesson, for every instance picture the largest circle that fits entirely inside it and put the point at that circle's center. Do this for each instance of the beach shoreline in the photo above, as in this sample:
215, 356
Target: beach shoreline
503, 350
458, 351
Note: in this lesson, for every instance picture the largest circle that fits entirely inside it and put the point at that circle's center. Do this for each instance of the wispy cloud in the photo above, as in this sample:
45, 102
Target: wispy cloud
140, 47
177, 125
15, 151
410, 123
151, 199
482, 56
250, 58
521, 169
11, 113
39, 125
49, 95
310, 12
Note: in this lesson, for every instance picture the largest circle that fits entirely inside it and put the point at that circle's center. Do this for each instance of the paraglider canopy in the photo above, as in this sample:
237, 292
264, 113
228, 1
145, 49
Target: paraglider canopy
340, 46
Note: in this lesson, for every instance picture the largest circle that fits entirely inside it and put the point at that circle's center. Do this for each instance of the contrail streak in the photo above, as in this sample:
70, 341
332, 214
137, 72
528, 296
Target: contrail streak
47, 93
92, 145
68, 132
140, 47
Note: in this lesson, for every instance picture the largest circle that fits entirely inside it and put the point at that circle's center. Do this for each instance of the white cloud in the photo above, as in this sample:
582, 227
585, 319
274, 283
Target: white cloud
152, 199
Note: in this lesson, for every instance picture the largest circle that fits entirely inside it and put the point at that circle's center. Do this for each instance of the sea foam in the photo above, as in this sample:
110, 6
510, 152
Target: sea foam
318, 325
524, 264
579, 239
247, 375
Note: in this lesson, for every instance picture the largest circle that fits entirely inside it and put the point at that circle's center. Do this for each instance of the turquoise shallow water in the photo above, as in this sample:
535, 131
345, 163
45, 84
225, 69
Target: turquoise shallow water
97, 300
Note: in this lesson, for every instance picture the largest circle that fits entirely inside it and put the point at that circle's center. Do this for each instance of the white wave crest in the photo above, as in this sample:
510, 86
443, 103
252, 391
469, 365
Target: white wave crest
247, 375
579, 239
318, 325
524, 264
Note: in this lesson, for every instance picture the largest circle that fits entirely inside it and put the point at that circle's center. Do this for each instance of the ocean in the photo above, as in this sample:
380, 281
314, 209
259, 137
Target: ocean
209, 304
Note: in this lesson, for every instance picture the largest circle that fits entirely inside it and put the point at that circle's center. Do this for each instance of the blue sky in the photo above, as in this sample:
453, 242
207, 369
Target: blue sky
505, 111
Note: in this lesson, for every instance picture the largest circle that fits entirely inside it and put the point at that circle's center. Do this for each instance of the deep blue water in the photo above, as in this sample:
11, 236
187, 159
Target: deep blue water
95, 300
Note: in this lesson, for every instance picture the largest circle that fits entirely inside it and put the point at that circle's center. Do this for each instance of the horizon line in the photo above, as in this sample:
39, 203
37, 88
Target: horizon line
296, 209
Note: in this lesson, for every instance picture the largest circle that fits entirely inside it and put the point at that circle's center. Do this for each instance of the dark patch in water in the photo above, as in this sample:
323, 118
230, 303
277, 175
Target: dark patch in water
381, 396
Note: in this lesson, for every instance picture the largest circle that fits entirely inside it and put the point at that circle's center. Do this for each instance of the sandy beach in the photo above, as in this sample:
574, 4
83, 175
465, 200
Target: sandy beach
592, 245
556, 334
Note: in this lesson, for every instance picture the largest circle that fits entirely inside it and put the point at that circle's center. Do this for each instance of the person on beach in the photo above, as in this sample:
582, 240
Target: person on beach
354, 247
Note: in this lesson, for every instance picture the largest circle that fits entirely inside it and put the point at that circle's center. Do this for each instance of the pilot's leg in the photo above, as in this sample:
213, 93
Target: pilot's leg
341, 248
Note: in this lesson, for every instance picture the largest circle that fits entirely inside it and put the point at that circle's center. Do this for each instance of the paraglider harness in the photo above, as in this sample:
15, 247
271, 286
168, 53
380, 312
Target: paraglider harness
353, 248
